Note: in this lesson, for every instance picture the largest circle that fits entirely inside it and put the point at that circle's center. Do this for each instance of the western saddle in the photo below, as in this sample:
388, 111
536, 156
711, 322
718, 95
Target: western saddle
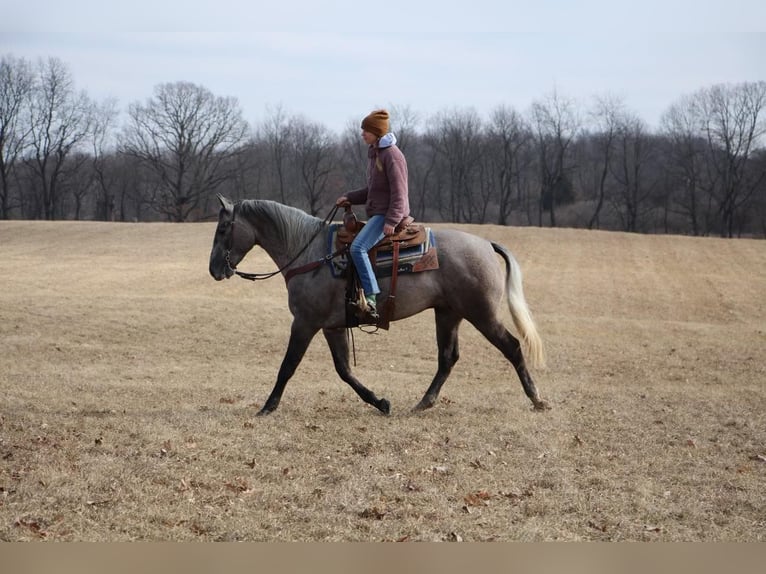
406, 234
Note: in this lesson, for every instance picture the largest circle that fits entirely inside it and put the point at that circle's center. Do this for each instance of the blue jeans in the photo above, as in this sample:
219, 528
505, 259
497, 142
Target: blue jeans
371, 233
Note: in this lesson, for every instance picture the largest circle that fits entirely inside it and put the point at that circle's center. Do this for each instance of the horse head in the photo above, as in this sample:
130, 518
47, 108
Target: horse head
231, 241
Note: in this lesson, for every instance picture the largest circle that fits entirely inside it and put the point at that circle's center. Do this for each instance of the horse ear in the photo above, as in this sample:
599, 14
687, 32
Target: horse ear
225, 203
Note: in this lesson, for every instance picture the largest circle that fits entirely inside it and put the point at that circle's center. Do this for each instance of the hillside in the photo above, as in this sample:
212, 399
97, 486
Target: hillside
130, 382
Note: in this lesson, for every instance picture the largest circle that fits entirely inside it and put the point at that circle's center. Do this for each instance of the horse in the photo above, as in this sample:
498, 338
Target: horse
468, 284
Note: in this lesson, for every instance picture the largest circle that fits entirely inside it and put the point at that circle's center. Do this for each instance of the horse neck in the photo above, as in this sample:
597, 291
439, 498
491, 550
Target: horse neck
280, 230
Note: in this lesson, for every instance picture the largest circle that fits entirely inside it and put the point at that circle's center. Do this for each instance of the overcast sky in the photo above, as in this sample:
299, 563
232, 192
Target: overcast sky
334, 61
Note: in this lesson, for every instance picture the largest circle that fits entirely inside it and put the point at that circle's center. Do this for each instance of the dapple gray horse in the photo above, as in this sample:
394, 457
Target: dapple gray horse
469, 284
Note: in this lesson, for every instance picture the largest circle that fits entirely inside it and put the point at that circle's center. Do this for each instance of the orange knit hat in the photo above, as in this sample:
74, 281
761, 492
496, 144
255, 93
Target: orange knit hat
376, 123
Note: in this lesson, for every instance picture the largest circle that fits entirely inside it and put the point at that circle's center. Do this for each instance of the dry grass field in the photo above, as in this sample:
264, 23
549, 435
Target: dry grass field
130, 380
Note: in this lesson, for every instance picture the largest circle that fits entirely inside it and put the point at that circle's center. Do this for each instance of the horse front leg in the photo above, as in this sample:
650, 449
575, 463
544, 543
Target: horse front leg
447, 325
300, 337
336, 339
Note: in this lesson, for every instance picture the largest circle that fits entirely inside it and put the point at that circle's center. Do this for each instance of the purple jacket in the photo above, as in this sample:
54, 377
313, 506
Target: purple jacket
387, 192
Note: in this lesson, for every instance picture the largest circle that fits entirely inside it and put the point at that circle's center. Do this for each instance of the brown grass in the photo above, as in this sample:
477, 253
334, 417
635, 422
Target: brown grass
130, 381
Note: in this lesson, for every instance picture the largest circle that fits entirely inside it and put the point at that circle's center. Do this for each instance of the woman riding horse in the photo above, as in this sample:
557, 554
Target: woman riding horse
386, 201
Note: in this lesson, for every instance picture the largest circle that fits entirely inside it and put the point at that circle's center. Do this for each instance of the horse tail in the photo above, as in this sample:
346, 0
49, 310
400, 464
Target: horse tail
520, 313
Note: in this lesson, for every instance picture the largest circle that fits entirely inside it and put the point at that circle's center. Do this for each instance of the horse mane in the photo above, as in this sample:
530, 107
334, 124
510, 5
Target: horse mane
294, 227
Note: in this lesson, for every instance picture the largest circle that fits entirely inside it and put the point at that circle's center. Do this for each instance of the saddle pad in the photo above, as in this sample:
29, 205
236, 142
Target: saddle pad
408, 256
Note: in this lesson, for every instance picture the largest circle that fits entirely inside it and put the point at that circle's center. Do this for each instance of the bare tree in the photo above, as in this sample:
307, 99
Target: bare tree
685, 159
607, 115
276, 134
16, 85
733, 123
250, 174
759, 198
79, 186
312, 156
186, 138
634, 151
421, 167
352, 156
404, 123
102, 159
507, 135
133, 193
556, 123
420, 164
456, 137
60, 123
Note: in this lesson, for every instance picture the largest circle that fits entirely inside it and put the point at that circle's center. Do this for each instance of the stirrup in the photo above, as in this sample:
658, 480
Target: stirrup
365, 312
372, 311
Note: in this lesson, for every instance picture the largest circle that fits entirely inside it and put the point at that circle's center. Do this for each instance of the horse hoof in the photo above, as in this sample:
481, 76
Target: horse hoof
422, 406
384, 406
541, 405
263, 412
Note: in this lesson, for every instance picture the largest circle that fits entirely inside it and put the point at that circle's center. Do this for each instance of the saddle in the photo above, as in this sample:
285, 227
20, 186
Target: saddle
406, 235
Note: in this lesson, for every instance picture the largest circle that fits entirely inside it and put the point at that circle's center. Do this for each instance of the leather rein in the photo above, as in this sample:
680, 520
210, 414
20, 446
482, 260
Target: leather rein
290, 273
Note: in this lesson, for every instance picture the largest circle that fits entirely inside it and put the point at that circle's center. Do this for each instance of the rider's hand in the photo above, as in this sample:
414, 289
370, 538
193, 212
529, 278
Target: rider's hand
388, 229
342, 201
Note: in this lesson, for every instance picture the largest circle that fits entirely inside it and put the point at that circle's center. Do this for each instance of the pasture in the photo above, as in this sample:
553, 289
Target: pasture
130, 380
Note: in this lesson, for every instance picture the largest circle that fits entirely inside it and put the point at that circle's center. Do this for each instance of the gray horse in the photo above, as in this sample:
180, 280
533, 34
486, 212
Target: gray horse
469, 284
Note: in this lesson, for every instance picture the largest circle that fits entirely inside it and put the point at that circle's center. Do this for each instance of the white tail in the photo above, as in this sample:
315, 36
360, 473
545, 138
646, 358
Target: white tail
520, 313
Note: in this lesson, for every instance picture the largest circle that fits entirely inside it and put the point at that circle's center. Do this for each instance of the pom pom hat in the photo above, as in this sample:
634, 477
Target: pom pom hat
376, 123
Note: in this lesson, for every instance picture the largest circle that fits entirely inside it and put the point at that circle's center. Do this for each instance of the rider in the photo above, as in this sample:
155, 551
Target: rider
386, 200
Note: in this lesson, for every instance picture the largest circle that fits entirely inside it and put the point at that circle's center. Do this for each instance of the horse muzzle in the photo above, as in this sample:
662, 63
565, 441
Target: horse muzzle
221, 272
218, 276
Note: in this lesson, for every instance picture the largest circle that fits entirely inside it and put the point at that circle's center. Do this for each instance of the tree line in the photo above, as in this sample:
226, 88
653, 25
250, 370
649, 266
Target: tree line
559, 163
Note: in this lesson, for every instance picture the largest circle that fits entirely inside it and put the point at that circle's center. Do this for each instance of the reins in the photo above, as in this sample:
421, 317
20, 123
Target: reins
291, 272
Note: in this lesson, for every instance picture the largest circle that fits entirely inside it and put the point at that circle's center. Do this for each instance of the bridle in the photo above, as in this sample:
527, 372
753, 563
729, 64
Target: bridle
290, 272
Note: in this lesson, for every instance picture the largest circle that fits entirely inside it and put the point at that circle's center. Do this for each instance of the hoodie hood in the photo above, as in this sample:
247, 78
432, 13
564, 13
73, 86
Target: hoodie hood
387, 140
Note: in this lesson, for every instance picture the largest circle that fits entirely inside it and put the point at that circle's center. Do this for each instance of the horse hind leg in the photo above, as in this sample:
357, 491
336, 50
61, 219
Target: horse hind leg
338, 343
500, 337
447, 325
